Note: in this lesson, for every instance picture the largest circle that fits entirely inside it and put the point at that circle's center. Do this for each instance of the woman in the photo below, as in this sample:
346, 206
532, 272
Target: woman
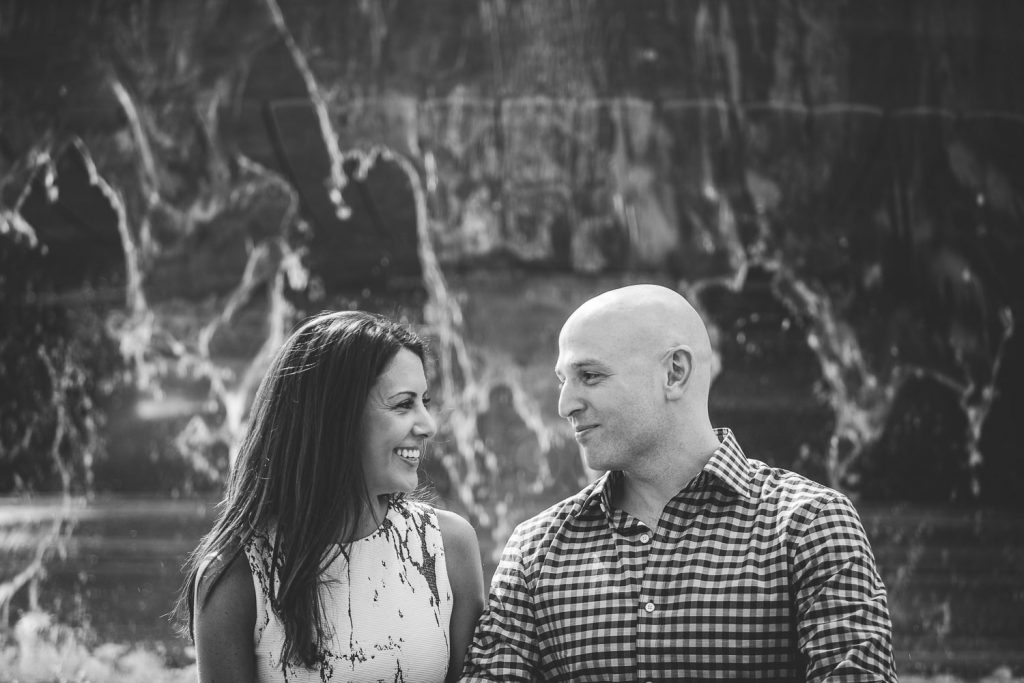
318, 567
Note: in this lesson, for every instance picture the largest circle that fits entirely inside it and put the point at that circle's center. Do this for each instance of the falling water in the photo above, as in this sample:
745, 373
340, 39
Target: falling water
336, 181
859, 399
64, 377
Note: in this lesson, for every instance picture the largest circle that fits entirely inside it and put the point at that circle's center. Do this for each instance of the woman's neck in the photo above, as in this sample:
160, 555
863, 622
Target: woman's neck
370, 518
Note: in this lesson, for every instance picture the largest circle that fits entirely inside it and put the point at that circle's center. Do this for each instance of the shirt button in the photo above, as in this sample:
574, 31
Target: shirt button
645, 538
649, 607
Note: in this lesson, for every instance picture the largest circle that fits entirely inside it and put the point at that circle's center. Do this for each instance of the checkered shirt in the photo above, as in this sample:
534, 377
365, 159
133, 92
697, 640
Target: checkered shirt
753, 573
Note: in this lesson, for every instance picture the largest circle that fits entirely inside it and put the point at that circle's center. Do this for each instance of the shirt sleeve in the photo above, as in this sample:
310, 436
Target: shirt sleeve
504, 646
843, 625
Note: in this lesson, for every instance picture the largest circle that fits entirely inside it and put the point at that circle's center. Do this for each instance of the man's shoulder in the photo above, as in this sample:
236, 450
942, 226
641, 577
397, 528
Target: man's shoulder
796, 496
557, 516
784, 479
564, 509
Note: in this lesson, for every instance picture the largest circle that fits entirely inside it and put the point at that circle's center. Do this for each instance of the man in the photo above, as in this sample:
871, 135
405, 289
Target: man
686, 560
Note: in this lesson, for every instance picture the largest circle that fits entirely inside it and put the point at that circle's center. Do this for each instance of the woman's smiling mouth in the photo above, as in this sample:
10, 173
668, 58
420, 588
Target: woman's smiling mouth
410, 455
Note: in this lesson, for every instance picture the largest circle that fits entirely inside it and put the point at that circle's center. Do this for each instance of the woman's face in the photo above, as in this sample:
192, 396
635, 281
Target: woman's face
395, 426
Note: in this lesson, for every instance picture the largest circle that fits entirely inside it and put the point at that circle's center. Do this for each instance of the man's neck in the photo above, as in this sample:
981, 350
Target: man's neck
645, 490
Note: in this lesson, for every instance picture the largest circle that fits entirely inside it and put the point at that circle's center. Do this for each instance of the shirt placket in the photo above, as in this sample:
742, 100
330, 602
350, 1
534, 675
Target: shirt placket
637, 541
657, 547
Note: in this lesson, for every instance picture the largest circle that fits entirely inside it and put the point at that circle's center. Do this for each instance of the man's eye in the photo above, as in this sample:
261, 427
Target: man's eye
427, 401
590, 376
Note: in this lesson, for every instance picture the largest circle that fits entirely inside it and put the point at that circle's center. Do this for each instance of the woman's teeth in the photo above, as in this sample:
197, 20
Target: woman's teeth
410, 454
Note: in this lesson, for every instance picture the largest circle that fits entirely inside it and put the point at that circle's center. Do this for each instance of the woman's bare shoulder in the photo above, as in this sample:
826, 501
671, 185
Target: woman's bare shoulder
224, 580
456, 531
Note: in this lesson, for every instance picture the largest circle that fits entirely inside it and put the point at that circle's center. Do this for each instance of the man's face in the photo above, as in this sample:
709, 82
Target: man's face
611, 391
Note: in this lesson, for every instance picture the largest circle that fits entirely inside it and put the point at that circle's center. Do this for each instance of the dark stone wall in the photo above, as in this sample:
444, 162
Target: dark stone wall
836, 184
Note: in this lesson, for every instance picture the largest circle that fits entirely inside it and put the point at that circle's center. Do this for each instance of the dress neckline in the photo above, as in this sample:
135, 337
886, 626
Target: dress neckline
388, 511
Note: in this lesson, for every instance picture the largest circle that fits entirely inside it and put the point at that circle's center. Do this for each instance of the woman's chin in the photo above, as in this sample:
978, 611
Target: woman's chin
407, 486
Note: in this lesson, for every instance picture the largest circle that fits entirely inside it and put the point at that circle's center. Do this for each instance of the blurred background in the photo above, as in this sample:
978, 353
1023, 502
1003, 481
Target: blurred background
838, 186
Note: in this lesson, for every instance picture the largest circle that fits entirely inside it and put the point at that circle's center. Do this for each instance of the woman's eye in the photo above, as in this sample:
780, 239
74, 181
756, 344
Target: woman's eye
410, 404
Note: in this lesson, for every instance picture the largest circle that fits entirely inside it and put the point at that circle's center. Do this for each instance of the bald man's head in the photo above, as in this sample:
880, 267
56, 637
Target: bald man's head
642, 317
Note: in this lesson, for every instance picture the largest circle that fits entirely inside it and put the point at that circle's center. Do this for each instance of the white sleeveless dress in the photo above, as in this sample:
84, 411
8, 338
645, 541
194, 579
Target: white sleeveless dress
387, 600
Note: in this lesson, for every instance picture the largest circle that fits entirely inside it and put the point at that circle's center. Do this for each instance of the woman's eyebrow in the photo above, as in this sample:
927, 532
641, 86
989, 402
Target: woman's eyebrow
404, 392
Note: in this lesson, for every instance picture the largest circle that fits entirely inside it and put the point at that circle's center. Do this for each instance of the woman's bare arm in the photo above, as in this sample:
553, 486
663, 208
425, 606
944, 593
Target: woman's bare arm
465, 574
224, 621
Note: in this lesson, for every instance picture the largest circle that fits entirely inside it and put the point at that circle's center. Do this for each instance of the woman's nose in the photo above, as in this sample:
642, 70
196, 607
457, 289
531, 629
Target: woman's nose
426, 425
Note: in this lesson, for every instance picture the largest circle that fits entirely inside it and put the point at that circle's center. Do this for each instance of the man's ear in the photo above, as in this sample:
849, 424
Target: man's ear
679, 370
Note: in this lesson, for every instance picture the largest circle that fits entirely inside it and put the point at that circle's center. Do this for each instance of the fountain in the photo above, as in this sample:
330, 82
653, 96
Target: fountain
184, 200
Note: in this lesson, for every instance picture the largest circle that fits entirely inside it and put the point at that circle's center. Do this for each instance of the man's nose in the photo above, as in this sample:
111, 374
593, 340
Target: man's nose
568, 401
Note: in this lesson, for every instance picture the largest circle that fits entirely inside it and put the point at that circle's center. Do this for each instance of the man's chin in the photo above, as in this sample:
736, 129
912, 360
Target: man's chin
596, 464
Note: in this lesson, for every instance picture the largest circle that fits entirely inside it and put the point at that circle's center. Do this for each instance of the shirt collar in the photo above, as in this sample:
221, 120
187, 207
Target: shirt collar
598, 495
730, 466
727, 464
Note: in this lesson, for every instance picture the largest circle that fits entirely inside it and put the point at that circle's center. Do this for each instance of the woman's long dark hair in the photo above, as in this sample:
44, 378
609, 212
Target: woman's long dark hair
299, 470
